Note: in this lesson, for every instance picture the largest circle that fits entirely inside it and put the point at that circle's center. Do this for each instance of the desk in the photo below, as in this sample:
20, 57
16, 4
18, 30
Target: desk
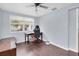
30, 34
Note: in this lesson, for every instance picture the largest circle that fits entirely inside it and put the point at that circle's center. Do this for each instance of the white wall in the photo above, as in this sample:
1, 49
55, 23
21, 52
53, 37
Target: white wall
78, 30
0, 23
73, 29
5, 26
36, 20
55, 27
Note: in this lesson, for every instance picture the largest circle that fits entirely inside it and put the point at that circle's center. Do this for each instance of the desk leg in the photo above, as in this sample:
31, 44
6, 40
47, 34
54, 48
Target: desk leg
27, 38
41, 37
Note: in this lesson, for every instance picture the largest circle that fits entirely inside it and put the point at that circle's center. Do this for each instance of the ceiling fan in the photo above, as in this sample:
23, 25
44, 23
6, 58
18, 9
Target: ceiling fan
36, 5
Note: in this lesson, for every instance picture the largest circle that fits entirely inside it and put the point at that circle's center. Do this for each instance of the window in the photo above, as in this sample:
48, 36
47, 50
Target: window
21, 23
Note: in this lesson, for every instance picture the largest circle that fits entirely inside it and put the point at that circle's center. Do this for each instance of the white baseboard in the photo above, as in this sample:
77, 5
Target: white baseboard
73, 50
58, 46
48, 42
13, 45
20, 41
63, 47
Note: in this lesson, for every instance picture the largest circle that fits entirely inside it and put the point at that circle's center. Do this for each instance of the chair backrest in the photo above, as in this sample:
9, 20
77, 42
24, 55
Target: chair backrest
37, 32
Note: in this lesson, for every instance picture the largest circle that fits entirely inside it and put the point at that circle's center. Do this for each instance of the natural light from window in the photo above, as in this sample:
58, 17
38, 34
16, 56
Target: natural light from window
21, 24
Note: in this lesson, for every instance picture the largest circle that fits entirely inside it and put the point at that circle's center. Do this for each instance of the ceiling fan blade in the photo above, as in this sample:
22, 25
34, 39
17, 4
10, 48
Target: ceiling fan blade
43, 6
53, 9
30, 6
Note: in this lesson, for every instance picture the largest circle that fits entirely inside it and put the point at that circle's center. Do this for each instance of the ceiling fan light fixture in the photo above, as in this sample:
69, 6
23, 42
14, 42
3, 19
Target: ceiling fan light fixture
37, 4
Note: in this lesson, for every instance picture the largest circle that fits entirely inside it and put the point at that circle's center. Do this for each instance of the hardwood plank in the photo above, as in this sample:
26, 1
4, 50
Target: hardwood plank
39, 49
72, 53
8, 47
10, 52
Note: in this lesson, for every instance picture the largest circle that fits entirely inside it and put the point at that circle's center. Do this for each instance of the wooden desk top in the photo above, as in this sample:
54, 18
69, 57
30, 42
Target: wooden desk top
7, 44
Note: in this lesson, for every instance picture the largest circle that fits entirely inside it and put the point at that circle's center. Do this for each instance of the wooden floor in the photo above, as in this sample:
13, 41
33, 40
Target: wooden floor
34, 48
7, 47
39, 49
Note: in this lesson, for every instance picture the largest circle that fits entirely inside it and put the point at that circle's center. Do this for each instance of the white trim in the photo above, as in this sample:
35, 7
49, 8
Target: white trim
76, 33
19, 41
63, 47
58, 46
73, 50
13, 45
77, 30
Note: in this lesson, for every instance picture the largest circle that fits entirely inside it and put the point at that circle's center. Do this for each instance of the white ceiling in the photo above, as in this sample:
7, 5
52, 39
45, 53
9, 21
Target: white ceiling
23, 8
